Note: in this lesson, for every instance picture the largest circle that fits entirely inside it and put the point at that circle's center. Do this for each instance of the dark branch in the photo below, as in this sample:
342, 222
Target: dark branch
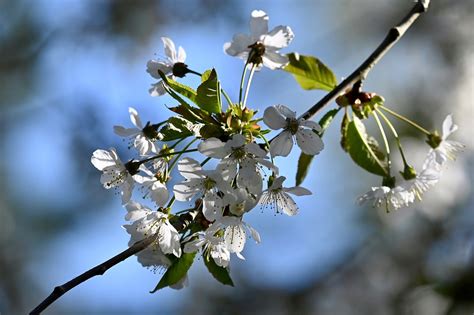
394, 34
96, 271
358, 75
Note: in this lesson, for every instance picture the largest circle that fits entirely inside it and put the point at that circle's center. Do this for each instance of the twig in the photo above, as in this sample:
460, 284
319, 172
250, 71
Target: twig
394, 34
96, 271
358, 75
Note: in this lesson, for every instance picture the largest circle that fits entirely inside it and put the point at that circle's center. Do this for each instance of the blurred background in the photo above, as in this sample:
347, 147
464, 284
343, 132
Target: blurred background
69, 70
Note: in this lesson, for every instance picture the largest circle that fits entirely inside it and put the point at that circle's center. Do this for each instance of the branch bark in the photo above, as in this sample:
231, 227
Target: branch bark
393, 36
359, 74
96, 271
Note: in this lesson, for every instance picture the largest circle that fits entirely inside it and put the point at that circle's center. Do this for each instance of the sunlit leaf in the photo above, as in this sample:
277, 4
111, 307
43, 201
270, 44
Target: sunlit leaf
176, 271
361, 151
310, 72
221, 274
180, 88
208, 93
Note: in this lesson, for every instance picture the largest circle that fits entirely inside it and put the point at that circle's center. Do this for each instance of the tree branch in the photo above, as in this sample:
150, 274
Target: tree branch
359, 74
394, 34
96, 271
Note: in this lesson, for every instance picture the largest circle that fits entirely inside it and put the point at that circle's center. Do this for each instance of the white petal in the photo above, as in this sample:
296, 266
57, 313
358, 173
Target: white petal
135, 118
298, 191
227, 168
103, 158
279, 37
288, 205
184, 191
239, 46
126, 132
126, 193
213, 147
237, 141
189, 168
448, 126
254, 233
258, 24
170, 49
256, 150
136, 211
212, 206
181, 55
159, 194
277, 183
235, 238
309, 142
285, 111
310, 124
274, 60
153, 66
157, 89
282, 144
273, 118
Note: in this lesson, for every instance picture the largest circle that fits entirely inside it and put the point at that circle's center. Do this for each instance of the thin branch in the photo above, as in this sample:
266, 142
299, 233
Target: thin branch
358, 75
394, 34
96, 271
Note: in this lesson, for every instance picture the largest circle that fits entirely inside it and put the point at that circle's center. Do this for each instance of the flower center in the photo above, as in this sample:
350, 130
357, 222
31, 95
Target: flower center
292, 125
257, 51
239, 153
180, 69
209, 183
150, 131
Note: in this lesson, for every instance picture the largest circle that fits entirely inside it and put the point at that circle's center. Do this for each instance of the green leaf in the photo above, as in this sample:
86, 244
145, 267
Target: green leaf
360, 150
176, 271
176, 128
180, 88
206, 75
310, 72
208, 93
303, 167
221, 274
344, 125
305, 160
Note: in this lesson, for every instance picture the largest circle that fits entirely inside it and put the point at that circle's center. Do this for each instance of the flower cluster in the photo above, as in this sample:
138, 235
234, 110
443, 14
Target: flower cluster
243, 176
218, 161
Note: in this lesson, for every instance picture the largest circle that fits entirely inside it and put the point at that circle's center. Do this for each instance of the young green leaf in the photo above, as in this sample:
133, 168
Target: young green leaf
209, 93
180, 88
360, 149
310, 72
221, 274
176, 128
305, 160
176, 271
344, 125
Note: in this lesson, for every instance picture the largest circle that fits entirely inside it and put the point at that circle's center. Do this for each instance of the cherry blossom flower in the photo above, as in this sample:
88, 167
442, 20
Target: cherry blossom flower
198, 182
212, 245
280, 116
240, 159
277, 197
173, 66
147, 222
446, 149
144, 137
262, 46
153, 183
115, 174
391, 198
235, 234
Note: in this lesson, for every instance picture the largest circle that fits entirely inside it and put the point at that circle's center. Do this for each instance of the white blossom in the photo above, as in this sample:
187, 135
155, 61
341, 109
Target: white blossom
390, 198
157, 190
147, 222
114, 172
212, 245
235, 235
165, 65
447, 149
240, 160
280, 116
277, 197
143, 137
262, 45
